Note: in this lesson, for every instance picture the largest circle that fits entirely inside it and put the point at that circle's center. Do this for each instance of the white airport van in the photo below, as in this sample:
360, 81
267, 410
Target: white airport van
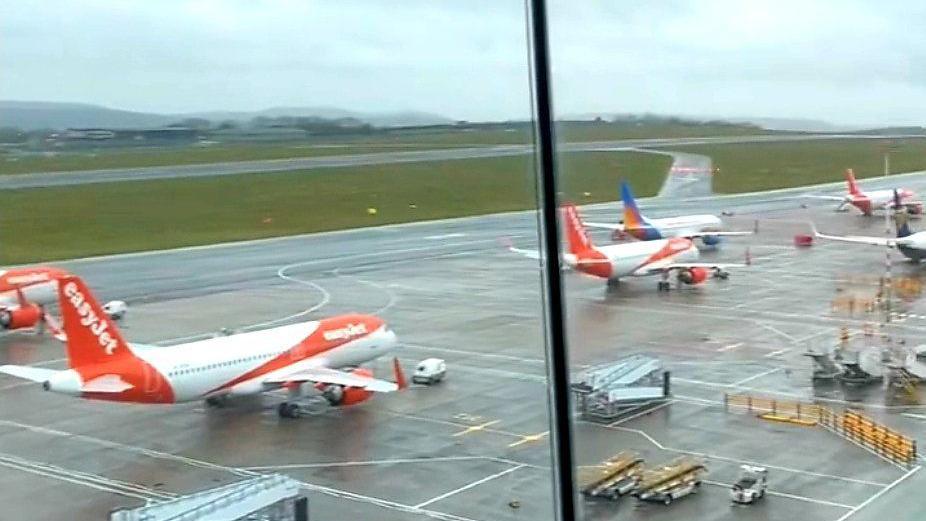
429, 371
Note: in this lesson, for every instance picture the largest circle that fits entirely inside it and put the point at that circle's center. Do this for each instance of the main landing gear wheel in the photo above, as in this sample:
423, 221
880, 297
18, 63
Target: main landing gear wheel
662, 285
722, 274
288, 410
217, 401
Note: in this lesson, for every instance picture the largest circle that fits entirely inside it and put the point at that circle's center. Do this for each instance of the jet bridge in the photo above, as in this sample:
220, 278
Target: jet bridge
604, 392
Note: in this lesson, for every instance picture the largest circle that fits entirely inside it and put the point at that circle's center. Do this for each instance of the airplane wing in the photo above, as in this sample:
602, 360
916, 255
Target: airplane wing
569, 259
107, 383
826, 197
874, 241
35, 374
688, 265
718, 234
604, 226
325, 375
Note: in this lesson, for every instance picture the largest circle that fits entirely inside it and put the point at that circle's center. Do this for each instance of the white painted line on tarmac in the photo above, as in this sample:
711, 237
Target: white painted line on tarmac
742, 461
773, 354
237, 471
757, 376
369, 463
785, 495
729, 347
469, 486
911, 415
880, 493
774, 329
444, 236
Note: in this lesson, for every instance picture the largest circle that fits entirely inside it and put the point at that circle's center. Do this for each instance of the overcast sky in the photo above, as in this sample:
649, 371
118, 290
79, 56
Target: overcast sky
846, 62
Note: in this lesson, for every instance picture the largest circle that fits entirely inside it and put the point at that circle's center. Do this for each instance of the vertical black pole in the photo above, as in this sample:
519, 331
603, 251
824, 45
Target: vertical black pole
554, 311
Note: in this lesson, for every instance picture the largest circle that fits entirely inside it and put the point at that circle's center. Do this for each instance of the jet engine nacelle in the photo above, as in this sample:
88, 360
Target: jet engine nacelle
340, 395
692, 275
19, 317
710, 240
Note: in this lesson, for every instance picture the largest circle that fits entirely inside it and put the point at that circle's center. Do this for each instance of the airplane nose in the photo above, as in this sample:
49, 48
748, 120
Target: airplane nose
390, 339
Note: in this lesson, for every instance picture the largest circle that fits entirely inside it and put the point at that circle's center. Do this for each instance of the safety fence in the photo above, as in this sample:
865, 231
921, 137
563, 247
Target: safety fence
865, 432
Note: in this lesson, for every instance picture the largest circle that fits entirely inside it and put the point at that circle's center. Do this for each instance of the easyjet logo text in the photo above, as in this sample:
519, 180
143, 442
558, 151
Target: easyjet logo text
348, 331
89, 318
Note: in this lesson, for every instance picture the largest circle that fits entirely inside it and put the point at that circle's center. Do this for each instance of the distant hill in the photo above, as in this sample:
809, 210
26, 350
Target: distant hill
33, 115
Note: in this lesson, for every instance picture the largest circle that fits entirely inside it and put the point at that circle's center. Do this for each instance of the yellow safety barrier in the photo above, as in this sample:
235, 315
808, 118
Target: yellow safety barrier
885, 442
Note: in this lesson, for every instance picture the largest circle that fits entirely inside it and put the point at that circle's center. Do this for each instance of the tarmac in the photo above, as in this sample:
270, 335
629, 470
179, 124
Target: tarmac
475, 446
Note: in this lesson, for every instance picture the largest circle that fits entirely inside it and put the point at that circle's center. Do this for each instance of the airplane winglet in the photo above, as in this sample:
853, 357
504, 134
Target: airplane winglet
400, 380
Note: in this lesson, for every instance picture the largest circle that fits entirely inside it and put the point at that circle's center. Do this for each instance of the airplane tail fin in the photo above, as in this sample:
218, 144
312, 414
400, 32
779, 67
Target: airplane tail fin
92, 338
577, 239
850, 180
632, 216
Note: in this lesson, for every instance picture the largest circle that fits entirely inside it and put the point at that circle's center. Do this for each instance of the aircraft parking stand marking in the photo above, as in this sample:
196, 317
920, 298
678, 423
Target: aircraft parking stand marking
476, 428
469, 486
529, 438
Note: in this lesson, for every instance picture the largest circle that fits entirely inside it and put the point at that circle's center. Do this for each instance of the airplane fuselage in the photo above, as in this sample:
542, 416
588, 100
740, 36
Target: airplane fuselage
636, 258
232, 365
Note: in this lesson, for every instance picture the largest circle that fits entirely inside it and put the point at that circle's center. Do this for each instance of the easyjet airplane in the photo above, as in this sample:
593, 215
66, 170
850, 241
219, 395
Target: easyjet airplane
635, 259
296, 357
708, 227
24, 293
911, 244
868, 202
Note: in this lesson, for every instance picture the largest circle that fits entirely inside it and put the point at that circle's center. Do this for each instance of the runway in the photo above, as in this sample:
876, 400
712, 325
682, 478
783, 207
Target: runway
464, 449
48, 179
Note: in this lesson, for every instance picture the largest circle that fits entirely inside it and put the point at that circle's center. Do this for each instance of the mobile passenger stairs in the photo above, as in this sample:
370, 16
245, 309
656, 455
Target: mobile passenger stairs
606, 392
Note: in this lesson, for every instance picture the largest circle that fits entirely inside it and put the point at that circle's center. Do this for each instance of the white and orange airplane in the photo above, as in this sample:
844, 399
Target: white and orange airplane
636, 259
868, 202
24, 293
299, 358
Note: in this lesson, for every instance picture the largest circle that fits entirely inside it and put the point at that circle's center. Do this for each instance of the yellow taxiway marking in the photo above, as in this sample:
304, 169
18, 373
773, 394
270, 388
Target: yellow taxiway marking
529, 438
476, 428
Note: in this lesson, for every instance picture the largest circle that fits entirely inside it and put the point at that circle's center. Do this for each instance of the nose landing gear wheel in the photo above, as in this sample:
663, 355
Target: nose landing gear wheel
662, 285
288, 410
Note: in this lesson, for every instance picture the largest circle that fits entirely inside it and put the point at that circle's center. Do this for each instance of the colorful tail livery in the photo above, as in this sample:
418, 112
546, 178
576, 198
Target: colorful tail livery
576, 237
853, 185
634, 222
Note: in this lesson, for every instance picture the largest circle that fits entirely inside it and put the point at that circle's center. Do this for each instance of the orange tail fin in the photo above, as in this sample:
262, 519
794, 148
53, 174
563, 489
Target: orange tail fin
853, 185
92, 338
577, 239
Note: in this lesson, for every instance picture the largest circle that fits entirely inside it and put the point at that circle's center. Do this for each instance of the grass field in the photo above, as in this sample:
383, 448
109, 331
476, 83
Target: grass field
517, 134
56, 223
764, 166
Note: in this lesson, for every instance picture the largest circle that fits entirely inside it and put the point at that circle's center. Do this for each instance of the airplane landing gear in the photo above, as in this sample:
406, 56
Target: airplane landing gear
722, 274
217, 401
288, 410
663, 285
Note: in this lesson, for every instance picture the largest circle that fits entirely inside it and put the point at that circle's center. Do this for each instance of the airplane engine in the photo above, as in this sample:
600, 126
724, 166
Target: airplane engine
692, 276
343, 396
710, 240
19, 317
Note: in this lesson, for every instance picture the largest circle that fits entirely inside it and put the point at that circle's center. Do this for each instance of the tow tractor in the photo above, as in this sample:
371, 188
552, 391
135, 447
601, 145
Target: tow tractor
751, 485
672, 481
